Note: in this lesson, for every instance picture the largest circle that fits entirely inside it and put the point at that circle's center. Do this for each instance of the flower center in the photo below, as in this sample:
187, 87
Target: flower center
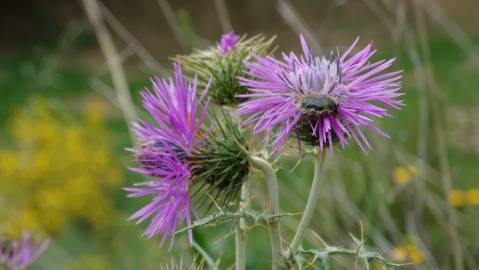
318, 76
319, 104
313, 107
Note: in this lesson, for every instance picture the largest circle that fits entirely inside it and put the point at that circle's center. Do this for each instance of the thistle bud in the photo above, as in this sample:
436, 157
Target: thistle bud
224, 63
220, 166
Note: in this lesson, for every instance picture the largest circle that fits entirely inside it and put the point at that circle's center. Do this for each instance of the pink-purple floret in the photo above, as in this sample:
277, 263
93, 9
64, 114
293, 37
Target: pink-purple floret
178, 116
19, 254
359, 85
228, 42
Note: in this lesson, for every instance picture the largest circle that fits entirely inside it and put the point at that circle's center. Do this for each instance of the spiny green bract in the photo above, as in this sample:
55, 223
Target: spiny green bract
224, 69
220, 166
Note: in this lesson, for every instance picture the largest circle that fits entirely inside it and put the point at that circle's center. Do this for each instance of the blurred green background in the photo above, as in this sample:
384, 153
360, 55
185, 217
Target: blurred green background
62, 135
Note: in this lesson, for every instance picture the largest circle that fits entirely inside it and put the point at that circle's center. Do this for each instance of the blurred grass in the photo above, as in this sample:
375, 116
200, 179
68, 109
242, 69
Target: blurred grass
367, 181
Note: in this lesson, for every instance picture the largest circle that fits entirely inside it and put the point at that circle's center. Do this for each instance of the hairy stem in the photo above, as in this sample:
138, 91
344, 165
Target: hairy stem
366, 256
273, 193
240, 234
310, 205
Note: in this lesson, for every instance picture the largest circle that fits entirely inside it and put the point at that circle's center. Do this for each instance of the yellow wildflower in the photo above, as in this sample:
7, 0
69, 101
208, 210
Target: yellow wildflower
414, 254
8, 162
400, 253
404, 174
408, 253
62, 170
456, 198
472, 196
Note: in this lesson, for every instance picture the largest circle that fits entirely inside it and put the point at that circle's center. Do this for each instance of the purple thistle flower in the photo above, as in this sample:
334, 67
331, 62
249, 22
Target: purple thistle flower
322, 100
178, 114
20, 253
228, 42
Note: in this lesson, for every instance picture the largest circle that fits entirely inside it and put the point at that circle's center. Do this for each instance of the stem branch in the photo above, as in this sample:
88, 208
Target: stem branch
240, 237
273, 193
310, 205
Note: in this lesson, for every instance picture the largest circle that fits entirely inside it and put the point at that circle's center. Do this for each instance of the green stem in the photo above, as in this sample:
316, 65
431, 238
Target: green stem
240, 234
324, 254
273, 193
310, 206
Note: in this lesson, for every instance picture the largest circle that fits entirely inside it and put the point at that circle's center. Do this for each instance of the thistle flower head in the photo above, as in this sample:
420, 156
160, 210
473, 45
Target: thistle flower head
228, 42
178, 114
220, 165
16, 254
321, 100
183, 156
223, 64
177, 109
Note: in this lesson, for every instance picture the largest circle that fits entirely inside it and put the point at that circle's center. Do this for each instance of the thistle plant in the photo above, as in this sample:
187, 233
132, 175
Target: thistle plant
17, 254
185, 154
199, 157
